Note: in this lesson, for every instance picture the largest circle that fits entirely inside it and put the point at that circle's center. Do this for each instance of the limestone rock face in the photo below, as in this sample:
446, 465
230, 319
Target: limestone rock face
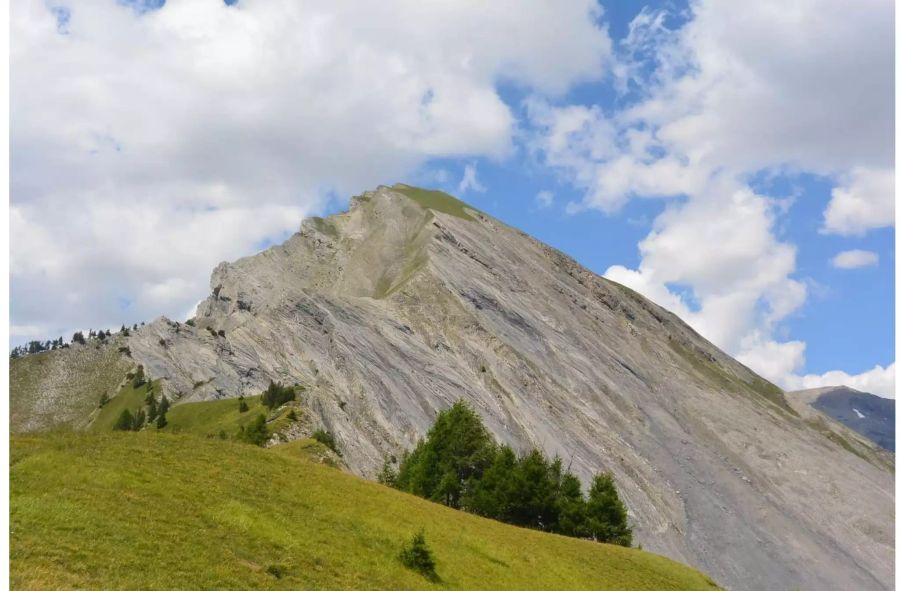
410, 300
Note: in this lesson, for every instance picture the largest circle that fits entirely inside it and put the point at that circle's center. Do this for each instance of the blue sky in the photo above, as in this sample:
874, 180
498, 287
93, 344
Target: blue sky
717, 158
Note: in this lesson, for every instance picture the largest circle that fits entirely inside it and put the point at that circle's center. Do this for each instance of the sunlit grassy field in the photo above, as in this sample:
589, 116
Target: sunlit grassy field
154, 510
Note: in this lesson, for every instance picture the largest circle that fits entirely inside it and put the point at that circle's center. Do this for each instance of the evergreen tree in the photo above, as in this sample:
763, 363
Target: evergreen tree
152, 409
140, 417
607, 518
242, 405
387, 475
78, 337
416, 555
125, 422
456, 450
138, 380
572, 508
277, 395
161, 421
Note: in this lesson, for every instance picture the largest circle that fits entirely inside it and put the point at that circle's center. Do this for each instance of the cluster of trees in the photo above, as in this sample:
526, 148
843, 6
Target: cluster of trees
276, 395
459, 464
32, 347
152, 413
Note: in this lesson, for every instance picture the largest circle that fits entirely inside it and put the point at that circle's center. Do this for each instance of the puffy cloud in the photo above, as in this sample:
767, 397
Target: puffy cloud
851, 259
147, 145
862, 202
721, 245
878, 380
737, 90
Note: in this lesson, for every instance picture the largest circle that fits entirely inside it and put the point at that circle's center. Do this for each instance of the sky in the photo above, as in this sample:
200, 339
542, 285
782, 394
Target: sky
732, 161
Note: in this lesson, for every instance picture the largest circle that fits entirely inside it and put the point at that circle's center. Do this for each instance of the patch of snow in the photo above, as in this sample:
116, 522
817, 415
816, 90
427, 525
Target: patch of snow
859, 414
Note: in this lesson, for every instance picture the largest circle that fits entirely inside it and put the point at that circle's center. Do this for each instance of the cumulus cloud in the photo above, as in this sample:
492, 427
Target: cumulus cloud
146, 146
852, 259
862, 202
739, 89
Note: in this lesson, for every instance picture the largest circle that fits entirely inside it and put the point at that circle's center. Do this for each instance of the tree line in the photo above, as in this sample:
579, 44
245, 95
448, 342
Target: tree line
459, 464
33, 347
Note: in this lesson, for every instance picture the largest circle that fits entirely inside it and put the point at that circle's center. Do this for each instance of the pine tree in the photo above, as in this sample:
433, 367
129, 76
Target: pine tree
140, 417
125, 422
152, 409
416, 555
606, 514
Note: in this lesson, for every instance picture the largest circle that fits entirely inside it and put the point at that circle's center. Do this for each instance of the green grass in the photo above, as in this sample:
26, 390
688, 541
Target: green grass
161, 511
436, 200
129, 398
213, 416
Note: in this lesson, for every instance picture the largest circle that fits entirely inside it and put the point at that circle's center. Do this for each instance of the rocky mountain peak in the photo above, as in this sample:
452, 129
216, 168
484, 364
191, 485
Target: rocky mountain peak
411, 300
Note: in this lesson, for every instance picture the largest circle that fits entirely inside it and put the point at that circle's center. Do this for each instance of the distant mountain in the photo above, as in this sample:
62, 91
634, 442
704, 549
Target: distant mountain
411, 300
867, 414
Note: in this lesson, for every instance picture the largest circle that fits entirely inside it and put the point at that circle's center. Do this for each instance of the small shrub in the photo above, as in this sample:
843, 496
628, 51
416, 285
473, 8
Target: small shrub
276, 570
221, 333
256, 432
327, 439
104, 398
242, 405
190, 322
416, 555
292, 416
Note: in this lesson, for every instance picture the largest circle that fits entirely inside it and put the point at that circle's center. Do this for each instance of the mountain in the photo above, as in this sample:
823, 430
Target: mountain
389, 312
869, 415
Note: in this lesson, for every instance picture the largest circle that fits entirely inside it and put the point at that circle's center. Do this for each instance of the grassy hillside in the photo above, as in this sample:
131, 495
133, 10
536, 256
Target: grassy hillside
215, 416
159, 511
128, 398
62, 388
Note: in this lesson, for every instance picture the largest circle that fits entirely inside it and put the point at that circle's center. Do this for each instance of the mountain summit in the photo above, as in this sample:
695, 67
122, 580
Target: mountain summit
411, 300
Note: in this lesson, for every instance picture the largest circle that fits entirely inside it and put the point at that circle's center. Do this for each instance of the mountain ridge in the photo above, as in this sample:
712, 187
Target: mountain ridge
411, 300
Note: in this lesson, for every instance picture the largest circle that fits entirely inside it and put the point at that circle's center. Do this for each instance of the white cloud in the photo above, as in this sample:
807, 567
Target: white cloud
544, 199
741, 88
864, 201
470, 181
142, 145
878, 380
852, 259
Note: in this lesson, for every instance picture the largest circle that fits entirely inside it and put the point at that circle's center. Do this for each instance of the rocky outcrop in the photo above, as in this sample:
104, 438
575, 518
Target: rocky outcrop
409, 301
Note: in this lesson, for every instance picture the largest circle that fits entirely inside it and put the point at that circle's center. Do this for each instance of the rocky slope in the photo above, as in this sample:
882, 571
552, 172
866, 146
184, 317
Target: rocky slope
867, 414
410, 300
